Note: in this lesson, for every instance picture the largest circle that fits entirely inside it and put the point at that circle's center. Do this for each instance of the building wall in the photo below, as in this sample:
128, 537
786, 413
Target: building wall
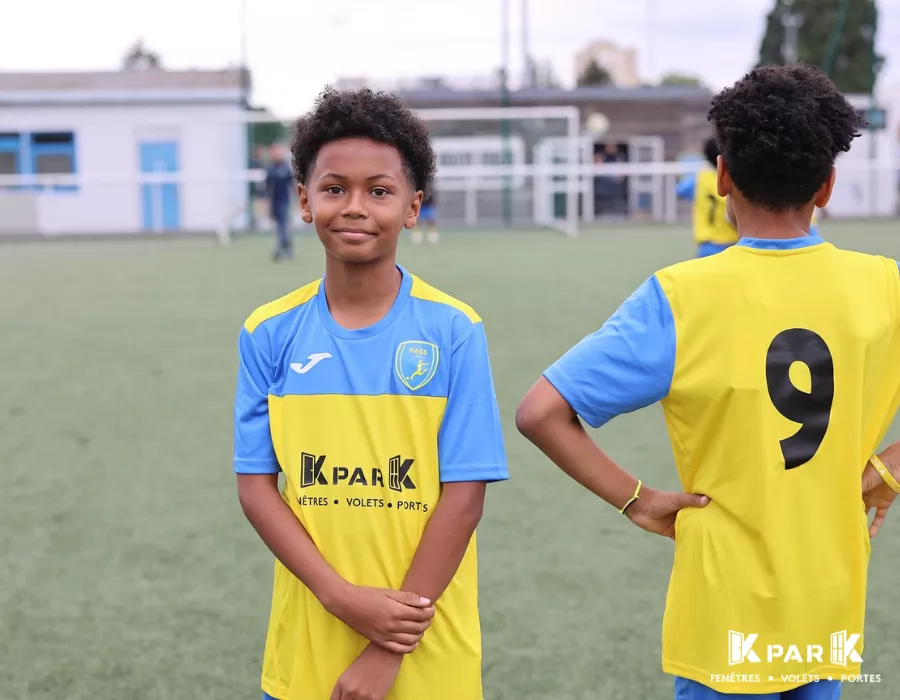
212, 148
620, 62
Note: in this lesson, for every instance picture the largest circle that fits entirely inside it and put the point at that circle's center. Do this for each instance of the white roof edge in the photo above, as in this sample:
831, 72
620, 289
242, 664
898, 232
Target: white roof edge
31, 97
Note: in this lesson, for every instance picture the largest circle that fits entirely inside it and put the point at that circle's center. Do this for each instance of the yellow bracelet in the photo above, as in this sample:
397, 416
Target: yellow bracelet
633, 498
885, 473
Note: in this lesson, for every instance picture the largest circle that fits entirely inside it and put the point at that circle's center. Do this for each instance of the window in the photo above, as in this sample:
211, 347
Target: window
455, 159
9, 154
40, 153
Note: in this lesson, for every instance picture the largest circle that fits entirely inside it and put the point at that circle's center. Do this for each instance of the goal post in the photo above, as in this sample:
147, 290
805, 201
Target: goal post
490, 173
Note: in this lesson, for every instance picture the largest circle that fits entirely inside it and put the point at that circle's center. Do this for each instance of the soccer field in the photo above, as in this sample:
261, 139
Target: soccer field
127, 569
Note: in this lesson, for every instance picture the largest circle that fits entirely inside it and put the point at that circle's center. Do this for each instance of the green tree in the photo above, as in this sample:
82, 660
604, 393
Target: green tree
594, 74
838, 35
681, 79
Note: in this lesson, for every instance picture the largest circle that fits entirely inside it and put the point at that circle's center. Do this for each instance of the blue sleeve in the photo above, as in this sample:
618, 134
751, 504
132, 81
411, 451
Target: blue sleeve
626, 365
470, 442
253, 450
685, 188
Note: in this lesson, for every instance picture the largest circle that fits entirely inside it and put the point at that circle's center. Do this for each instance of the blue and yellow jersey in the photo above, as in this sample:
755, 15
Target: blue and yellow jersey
710, 220
777, 364
366, 425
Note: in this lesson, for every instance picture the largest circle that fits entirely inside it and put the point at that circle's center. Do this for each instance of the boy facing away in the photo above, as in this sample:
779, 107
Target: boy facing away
777, 363
372, 393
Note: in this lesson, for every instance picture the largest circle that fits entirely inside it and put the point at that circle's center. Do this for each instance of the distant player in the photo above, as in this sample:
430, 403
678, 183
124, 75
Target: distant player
777, 363
713, 232
428, 221
279, 183
371, 391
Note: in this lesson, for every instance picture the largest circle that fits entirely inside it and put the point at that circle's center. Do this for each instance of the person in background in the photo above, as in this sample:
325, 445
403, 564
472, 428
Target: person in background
610, 191
713, 231
428, 219
279, 183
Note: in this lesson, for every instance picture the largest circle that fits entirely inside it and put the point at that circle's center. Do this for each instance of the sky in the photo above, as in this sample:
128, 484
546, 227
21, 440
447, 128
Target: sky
296, 47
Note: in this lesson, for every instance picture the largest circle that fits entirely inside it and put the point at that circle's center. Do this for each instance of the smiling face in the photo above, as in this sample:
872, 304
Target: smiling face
359, 198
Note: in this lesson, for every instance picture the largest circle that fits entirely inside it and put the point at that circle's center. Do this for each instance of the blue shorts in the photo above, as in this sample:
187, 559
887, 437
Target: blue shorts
704, 250
428, 213
822, 690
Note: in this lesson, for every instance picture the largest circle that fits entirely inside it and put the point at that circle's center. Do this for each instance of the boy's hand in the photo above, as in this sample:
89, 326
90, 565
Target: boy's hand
370, 677
394, 620
876, 493
655, 511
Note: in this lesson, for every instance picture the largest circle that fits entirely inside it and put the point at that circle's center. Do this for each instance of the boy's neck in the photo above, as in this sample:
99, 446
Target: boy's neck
359, 296
761, 223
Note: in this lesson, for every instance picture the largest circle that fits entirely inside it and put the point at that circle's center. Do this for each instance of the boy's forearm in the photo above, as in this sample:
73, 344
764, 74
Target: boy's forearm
445, 540
287, 539
567, 444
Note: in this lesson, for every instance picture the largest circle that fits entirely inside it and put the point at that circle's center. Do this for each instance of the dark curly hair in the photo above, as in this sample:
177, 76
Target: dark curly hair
780, 130
375, 115
711, 151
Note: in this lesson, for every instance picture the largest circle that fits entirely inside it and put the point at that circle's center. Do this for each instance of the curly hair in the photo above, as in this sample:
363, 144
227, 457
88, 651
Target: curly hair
711, 151
379, 116
780, 130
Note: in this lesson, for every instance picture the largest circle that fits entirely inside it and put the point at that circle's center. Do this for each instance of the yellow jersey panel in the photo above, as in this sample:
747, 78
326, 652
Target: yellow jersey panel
785, 382
281, 305
711, 224
365, 504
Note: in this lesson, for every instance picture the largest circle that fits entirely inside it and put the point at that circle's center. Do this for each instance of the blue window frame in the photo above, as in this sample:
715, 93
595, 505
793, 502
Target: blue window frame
39, 153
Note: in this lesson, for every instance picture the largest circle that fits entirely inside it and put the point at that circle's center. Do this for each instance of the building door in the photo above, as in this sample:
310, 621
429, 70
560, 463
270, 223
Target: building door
160, 199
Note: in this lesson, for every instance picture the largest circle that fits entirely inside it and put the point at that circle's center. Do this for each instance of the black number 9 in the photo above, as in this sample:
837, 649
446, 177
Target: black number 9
812, 410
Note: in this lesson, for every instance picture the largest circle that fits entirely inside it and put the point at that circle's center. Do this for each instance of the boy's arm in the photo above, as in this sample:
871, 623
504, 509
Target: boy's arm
471, 453
626, 365
393, 619
685, 188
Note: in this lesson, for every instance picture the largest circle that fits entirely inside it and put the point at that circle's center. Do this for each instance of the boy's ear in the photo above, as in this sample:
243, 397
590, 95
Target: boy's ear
305, 212
723, 178
824, 193
412, 214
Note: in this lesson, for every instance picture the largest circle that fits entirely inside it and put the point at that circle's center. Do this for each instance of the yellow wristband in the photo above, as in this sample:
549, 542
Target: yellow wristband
885, 473
633, 498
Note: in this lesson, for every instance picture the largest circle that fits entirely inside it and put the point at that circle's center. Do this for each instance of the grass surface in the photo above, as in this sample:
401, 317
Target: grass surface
126, 567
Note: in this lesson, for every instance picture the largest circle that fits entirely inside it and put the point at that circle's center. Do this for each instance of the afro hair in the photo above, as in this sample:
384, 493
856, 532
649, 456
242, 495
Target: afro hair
780, 130
379, 116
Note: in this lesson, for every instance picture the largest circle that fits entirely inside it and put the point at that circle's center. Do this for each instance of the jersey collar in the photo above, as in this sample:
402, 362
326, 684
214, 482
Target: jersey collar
339, 331
780, 243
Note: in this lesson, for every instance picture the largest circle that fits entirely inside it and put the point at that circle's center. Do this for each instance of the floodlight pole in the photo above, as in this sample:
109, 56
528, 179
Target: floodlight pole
791, 23
505, 124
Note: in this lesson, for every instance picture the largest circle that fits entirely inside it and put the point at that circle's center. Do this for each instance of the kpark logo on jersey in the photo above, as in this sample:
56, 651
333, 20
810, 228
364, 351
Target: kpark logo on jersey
314, 473
843, 650
416, 362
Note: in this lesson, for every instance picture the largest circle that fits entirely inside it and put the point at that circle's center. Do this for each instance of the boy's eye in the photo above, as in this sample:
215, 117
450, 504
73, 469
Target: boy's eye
333, 189
379, 192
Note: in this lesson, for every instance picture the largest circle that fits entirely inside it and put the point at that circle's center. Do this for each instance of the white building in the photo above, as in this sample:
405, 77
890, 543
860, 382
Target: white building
146, 150
620, 62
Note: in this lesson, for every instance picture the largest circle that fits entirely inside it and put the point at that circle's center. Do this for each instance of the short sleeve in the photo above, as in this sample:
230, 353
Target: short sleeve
685, 188
253, 450
626, 365
470, 441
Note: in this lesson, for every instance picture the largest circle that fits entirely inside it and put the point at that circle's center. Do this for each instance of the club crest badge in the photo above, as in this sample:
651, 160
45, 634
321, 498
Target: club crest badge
416, 363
